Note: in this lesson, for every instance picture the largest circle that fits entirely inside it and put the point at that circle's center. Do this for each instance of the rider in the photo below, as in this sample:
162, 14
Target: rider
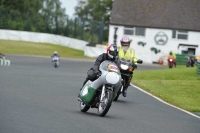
111, 54
172, 55
125, 52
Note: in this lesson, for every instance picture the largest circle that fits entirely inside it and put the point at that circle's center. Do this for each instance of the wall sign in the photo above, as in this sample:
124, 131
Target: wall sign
141, 43
161, 38
155, 50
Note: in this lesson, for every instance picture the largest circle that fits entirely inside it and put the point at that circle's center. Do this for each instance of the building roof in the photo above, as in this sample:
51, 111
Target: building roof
170, 14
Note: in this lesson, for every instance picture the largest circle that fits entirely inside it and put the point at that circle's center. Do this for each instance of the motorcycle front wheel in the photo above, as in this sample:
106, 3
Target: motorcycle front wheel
170, 65
106, 102
117, 96
84, 107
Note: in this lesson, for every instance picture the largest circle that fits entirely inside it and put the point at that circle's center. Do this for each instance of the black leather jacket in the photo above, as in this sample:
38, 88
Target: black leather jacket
55, 55
95, 69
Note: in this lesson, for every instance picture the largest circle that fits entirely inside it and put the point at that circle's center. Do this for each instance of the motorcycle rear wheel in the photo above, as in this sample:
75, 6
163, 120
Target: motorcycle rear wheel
106, 104
84, 107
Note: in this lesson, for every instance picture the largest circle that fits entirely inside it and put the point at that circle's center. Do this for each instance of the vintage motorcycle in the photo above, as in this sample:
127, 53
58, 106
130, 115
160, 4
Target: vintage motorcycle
55, 61
127, 67
171, 62
101, 92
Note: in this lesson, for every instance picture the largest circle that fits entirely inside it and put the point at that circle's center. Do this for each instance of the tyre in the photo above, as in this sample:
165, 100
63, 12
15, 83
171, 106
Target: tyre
187, 64
105, 105
84, 107
118, 93
170, 65
56, 64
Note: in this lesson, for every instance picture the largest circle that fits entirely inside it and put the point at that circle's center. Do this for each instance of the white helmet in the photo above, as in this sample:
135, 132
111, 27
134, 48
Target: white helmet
55, 52
125, 42
111, 52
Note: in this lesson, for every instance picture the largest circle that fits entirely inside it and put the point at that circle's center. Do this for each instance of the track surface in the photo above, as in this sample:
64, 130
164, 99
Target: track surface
37, 98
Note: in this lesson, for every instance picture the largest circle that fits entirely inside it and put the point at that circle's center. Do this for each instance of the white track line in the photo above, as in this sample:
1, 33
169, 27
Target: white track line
165, 102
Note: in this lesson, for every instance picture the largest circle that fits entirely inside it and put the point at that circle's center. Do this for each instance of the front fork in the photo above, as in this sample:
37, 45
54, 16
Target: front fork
103, 93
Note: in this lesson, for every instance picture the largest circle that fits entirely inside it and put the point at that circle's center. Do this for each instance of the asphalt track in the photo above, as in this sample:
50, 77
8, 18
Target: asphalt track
37, 98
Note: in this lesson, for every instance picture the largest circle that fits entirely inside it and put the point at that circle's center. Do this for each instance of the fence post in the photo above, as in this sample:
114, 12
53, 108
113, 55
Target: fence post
101, 26
198, 67
115, 36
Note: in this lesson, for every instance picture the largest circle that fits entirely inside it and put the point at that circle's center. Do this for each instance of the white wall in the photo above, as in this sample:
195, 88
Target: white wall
52, 39
42, 38
145, 53
94, 51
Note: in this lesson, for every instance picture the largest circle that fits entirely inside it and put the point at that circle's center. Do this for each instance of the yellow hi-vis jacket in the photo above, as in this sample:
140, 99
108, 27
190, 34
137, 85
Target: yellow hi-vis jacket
173, 55
129, 55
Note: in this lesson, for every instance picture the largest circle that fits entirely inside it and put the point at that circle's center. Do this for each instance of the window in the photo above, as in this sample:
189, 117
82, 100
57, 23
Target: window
180, 34
134, 31
128, 31
140, 31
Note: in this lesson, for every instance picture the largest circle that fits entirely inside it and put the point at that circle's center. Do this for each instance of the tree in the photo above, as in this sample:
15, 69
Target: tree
90, 10
53, 15
32, 15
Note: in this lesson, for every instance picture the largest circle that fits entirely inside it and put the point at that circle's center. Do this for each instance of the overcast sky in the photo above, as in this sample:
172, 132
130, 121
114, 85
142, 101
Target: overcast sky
69, 6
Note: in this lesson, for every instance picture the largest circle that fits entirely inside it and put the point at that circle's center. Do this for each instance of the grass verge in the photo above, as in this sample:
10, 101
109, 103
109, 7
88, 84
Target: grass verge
178, 86
43, 49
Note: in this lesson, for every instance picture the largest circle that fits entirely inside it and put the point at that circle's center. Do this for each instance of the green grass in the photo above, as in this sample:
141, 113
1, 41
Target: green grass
43, 49
178, 86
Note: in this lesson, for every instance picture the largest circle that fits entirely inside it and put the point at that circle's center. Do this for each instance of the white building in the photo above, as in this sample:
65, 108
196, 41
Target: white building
157, 27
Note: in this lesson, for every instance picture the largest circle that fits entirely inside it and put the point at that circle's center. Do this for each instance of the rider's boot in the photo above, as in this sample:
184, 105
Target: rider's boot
124, 93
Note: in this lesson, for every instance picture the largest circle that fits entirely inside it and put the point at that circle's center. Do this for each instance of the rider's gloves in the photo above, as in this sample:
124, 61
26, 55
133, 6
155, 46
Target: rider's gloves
97, 73
135, 66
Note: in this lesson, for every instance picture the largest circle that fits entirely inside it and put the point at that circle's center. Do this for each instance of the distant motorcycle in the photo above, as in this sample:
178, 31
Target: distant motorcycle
171, 62
101, 92
190, 61
127, 67
55, 61
2, 56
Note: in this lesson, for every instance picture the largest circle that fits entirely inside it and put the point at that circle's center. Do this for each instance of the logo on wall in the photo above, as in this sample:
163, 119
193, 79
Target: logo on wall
141, 43
161, 38
155, 50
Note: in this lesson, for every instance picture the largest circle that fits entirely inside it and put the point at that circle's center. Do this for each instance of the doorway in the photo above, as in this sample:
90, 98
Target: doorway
187, 49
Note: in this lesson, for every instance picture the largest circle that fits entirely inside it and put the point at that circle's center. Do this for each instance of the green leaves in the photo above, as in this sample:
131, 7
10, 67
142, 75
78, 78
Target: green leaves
32, 15
90, 10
